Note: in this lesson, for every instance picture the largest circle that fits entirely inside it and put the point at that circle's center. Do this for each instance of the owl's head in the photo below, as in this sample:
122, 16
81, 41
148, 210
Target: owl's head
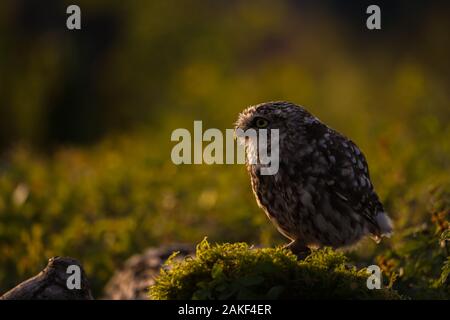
273, 115
283, 123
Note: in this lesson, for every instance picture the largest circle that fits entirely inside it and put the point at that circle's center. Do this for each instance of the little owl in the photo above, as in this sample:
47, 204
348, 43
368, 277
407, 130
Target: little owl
322, 194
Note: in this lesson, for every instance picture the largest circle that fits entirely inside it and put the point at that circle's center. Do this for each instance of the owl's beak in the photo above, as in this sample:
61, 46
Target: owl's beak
242, 138
238, 126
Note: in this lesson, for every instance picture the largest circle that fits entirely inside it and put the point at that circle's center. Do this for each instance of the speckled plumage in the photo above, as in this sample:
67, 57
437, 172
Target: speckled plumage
322, 194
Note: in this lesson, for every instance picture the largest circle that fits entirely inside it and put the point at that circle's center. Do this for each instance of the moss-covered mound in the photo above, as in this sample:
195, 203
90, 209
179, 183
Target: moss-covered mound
236, 271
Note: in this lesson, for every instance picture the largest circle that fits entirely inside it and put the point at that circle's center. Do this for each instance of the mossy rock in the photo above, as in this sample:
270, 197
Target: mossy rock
237, 271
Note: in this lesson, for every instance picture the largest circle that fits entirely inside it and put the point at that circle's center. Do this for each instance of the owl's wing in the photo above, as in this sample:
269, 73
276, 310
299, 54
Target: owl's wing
345, 172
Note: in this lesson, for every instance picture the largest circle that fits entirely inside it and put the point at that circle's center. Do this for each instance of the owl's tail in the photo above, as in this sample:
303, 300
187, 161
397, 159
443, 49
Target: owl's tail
384, 225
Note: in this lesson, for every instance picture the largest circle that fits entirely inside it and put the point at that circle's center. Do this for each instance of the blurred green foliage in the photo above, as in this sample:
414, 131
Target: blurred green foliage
235, 271
419, 264
86, 118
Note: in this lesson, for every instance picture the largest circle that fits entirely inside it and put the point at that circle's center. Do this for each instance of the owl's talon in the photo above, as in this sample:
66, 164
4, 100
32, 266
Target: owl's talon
299, 249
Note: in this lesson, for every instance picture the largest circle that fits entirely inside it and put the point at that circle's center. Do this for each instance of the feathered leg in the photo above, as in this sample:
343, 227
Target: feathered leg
298, 248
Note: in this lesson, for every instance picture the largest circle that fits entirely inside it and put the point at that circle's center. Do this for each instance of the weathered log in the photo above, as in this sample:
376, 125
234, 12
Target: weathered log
52, 283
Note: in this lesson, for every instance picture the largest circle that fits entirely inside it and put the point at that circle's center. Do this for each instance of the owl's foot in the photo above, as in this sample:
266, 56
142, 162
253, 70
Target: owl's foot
299, 249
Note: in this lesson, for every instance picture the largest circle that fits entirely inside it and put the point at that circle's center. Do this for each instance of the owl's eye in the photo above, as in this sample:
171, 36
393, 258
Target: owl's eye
261, 123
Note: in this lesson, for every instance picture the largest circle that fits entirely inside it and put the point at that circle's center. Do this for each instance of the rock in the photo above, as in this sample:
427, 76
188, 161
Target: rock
51, 283
138, 273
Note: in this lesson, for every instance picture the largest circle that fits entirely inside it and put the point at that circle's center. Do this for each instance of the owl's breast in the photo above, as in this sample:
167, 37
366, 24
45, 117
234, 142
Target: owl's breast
282, 197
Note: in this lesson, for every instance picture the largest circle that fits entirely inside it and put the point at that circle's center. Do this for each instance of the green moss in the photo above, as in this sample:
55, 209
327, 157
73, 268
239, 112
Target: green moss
237, 271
